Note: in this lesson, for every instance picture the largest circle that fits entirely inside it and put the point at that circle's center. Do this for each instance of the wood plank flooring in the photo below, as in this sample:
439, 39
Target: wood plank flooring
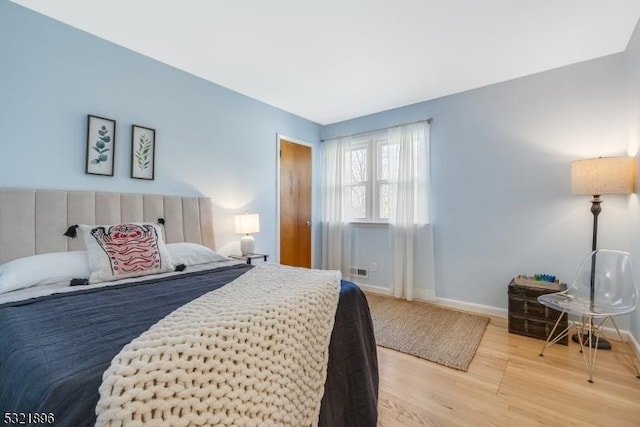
508, 384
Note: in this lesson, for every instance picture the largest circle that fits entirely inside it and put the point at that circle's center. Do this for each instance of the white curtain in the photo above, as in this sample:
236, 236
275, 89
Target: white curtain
409, 219
336, 236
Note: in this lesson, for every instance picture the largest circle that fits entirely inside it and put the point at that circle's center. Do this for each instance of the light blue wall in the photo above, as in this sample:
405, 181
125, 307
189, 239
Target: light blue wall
632, 65
502, 203
210, 140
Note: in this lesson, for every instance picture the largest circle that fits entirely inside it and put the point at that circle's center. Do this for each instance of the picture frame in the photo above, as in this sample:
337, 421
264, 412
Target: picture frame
143, 152
101, 145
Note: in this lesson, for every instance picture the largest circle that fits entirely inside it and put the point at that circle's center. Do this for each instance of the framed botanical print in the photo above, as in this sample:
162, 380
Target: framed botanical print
143, 152
101, 145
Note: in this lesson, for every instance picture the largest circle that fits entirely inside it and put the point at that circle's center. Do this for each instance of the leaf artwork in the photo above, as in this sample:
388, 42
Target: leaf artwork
142, 152
101, 146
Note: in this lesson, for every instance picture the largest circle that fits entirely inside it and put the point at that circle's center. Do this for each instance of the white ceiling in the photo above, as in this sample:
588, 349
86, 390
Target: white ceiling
331, 60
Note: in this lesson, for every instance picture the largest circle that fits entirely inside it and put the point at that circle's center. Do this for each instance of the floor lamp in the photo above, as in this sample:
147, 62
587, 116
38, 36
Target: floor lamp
595, 177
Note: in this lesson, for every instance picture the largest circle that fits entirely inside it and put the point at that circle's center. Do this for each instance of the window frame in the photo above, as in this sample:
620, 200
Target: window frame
373, 144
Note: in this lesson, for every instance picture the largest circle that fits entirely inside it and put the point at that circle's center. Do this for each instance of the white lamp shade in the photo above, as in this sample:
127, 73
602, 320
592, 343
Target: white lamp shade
604, 175
247, 223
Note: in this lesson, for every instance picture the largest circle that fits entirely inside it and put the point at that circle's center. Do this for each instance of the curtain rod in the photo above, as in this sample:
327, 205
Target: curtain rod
429, 120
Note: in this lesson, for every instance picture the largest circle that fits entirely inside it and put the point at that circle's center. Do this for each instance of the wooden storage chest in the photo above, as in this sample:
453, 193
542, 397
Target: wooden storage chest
528, 317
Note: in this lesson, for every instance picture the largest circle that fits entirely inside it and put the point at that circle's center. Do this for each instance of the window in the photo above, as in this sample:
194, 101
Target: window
369, 162
380, 177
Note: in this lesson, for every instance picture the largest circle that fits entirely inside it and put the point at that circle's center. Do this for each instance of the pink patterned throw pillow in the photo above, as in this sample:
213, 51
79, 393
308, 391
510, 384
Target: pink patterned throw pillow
125, 250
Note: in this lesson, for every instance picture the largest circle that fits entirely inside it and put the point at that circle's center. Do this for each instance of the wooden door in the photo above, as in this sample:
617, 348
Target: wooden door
295, 204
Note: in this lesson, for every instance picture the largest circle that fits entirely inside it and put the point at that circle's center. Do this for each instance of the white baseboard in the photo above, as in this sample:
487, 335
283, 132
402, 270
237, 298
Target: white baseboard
423, 295
633, 343
476, 308
420, 294
627, 337
373, 289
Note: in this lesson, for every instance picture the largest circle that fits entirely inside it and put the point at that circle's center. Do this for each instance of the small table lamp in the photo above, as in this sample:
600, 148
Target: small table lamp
604, 175
247, 224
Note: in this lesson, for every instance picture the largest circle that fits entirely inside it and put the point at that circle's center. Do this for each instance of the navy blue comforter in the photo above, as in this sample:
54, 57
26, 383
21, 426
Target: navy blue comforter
54, 350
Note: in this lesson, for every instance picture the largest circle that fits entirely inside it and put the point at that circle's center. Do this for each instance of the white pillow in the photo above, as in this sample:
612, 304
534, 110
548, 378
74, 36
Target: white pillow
125, 250
192, 254
43, 269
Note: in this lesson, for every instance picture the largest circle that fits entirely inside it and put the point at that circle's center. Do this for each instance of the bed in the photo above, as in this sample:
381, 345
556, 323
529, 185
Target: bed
57, 344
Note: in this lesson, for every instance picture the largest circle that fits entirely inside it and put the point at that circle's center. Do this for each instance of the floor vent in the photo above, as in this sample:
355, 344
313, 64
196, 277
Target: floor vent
359, 272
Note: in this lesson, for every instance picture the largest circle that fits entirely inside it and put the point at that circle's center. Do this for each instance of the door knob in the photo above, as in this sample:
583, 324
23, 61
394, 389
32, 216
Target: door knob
308, 223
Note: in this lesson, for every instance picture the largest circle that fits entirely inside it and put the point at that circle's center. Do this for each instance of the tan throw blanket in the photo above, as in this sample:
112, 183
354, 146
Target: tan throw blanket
251, 353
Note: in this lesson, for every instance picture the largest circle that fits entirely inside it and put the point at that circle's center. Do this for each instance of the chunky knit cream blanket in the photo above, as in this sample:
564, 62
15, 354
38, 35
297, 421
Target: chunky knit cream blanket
252, 353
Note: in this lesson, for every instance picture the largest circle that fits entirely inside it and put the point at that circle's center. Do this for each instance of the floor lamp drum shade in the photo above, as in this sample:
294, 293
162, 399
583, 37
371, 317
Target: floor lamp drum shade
604, 175
247, 224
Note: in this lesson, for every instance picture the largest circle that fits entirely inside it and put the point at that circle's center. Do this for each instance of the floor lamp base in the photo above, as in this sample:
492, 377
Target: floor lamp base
603, 343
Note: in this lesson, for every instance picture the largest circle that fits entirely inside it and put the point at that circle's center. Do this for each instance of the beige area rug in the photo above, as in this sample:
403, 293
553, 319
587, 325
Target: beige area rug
439, 335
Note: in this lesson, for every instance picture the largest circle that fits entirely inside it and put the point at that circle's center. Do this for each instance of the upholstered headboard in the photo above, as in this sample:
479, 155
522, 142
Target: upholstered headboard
33, 221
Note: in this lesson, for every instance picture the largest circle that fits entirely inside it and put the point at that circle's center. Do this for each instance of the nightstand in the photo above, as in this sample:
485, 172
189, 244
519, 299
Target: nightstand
249, 257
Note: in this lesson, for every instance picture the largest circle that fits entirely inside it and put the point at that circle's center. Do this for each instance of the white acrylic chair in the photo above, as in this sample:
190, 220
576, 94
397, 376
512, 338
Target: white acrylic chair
604, 287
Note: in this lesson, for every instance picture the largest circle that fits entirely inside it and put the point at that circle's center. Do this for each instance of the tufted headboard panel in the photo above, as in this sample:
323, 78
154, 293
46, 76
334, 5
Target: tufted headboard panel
34, 221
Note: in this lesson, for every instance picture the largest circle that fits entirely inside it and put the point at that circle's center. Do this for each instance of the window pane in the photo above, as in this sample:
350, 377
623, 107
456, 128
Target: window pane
358, 206
359, 165
388, 160
383, 161
383, 200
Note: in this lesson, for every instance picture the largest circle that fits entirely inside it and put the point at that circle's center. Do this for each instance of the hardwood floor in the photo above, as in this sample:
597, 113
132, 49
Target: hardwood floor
508, 384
